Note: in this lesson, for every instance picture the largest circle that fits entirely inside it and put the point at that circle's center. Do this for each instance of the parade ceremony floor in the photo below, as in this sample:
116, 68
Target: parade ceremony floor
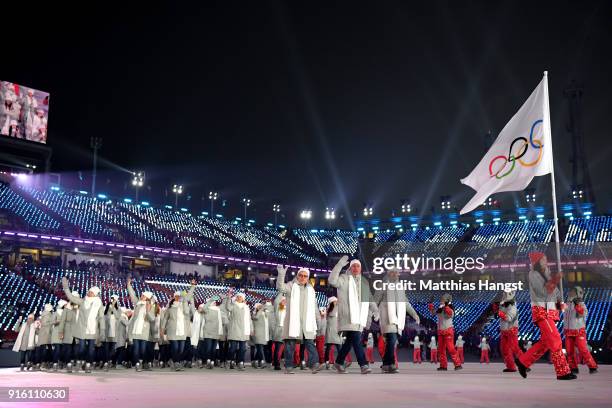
417, 386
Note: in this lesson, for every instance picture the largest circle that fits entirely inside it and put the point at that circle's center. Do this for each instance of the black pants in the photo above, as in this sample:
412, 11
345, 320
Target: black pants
259, 352
353, 340
25, 356
328, 348
276, 358
237, 350
120, 353
268, 352
208, 351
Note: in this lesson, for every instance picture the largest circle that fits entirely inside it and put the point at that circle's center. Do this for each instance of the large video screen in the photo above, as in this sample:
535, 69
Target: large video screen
23, 112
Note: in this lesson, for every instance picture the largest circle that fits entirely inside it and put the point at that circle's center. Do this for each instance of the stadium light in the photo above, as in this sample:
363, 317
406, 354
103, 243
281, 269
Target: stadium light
367, 210
305, 214
177, 189
445, 203
246, 202
530, 195
330, 215
577, 193
212, 196
276, 210
138, 181
406, 208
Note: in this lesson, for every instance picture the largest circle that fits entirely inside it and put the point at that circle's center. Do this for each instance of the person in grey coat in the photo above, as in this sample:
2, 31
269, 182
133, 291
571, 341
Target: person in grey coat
393, 306
67, 327
25, 344
261, 331
276, 331
121, 337
212, 329
175, 324
139, 328
90, 321
56, 341
332, 337
239, 327
112, 315
43, 343
302, 316
355, 305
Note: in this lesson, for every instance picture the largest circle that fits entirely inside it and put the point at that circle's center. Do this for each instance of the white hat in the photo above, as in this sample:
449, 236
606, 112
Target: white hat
61, 303
304, 270
240, 294
355, 261
484, 340
147, 294
257, 305
416, 337
433, 337
177, 293
331, 299
460, 337
95, 290
116, 297
48, 307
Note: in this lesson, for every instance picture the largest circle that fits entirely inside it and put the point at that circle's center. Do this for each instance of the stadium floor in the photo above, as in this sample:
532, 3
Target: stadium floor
420, 386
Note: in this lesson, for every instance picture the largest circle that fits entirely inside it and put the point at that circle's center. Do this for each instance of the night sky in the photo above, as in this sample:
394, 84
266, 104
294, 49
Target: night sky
309, 104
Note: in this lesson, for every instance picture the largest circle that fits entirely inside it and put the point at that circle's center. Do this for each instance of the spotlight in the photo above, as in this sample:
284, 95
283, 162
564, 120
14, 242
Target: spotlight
406, 208
367, 210
330, 213
306, 214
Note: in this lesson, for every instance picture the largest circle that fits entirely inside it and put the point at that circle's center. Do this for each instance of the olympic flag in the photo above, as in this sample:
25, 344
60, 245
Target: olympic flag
522, 151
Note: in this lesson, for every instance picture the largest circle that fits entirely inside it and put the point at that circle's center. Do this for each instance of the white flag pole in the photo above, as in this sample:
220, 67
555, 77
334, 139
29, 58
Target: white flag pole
552, 180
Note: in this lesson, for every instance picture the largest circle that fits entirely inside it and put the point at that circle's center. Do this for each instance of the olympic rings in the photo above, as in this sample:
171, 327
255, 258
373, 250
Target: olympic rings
513, 158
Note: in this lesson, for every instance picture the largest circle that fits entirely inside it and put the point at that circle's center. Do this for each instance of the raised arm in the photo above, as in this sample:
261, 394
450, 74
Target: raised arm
281, 286
334, 276
74, 299
131, 292
191, 290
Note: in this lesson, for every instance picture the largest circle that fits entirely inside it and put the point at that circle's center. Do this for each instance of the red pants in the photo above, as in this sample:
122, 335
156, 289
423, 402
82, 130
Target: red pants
446, 342
416, 356
510, 347
320, 344
578, 341
550, 340
296, 355
460, 354
370, 354
484, 356
434, 355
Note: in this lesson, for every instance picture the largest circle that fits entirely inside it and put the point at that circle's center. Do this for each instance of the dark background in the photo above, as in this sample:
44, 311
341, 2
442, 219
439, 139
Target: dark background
304, 103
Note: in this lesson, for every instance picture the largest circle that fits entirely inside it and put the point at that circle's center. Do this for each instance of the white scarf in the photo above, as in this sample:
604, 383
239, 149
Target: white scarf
266, 328
140, 318
358, 313
196, 328
93, 304
281, 317
246, 318
112, 323
295, 312
180, 319
219, 322
396, 309
31, 337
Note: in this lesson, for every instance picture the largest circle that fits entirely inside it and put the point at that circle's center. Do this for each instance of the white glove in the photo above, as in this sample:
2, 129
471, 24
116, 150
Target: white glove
281, 269
342, 262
